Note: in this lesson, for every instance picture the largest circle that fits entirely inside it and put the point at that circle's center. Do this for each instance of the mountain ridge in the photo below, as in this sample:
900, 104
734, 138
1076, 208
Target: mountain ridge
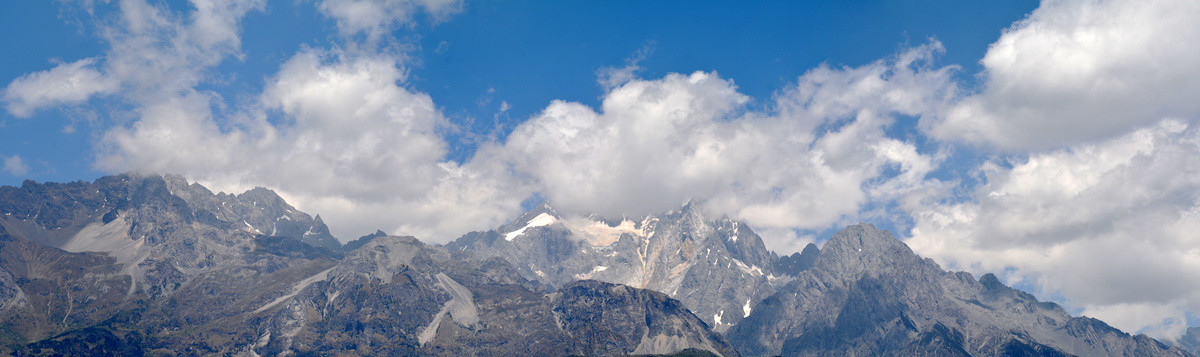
864, 275
135, 263
160, 265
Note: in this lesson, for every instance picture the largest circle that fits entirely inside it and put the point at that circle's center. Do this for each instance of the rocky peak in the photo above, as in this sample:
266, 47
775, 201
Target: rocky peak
361, 241
261, 196
543, 212
862, 237
861, 248
798, 262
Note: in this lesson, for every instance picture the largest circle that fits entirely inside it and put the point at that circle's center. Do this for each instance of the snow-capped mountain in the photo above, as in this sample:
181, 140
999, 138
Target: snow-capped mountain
716, 266
864, 293
131, 264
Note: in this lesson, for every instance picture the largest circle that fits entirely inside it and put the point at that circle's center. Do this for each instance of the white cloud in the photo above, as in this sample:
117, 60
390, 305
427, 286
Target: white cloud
334, 131
349, 143
374, 18
816, 159
612, 77
1081, 71
159, 53
1109, 226
15, 166
1102, 206
66, 83
337, 133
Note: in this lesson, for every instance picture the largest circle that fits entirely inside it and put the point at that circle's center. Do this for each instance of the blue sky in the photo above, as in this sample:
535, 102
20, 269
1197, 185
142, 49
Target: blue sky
527, 53
1053, 143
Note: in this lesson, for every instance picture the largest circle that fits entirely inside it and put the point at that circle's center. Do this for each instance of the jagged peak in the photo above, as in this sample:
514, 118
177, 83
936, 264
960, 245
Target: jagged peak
265, 195
543, 207
810, 249
863, 247
862, 237
396, 241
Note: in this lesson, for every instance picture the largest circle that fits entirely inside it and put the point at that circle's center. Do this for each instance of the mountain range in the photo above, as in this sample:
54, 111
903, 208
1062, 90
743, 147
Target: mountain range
153, 265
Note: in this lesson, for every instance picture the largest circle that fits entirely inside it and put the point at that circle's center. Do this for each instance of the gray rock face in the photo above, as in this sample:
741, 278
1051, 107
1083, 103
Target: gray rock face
868, 294
130, 265
259, 210
163, 219
133, 265
398, 296
45, 291
718, 268
1190, 340
123, 255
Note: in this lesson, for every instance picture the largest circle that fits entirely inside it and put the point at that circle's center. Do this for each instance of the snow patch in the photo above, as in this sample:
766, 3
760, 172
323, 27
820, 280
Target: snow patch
746, 309
251, 227
588, 275
543, 219
752, 269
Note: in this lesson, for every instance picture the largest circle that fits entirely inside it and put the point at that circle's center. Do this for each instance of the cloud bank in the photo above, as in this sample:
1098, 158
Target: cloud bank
1080, 71
815, 158
1091, 195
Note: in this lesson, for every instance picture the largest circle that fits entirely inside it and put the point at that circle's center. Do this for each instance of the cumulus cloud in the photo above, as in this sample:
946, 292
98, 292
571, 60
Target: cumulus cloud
338, 136
1111, 226
816, 158
66, 83
1081, 71
335, 132
1098, 202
